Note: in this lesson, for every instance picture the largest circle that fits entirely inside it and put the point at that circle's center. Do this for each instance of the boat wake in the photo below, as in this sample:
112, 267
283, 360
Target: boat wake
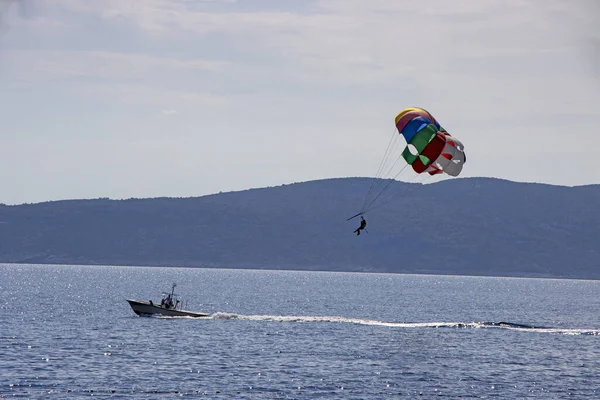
361, 321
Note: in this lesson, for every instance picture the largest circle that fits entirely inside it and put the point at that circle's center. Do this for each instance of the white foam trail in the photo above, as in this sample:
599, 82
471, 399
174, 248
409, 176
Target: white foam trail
336, 319
364, 321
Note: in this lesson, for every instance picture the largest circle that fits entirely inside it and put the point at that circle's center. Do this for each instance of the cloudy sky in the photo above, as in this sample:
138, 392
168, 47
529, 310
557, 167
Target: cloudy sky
132, 98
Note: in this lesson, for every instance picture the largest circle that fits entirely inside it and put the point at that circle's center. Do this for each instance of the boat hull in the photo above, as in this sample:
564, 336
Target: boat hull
145, 308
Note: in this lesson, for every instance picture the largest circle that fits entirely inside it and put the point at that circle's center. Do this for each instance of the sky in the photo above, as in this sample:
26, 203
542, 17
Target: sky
178, 98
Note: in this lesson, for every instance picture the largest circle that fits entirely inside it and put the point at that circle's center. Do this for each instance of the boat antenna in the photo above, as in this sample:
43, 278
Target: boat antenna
173, 289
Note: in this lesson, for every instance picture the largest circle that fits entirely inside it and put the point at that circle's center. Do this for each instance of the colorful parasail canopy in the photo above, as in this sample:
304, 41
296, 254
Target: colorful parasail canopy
429, 147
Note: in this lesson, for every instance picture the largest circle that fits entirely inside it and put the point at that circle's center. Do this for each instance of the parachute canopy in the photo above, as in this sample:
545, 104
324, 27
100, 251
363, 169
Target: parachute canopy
424, 145
430, 148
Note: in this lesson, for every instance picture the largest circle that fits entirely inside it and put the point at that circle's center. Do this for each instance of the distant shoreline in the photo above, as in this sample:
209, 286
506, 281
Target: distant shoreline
297, 270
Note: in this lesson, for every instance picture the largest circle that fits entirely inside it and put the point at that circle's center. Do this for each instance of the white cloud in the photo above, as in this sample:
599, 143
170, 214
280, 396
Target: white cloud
357, 42
127, 78
107, 65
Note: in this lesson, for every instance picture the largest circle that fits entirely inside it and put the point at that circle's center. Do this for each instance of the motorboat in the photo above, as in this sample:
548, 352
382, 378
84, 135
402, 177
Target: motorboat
170, 305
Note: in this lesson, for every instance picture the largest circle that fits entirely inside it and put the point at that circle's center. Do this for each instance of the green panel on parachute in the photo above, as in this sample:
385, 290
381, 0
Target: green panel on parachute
425, 160
419, 141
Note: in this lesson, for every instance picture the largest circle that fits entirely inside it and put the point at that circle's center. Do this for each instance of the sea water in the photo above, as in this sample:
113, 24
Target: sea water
67, 332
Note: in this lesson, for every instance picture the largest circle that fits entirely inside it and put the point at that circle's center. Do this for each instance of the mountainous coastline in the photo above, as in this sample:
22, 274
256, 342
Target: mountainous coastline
470, 226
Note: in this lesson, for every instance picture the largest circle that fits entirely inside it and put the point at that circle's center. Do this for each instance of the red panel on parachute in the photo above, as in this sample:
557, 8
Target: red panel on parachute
433, 170
432, 151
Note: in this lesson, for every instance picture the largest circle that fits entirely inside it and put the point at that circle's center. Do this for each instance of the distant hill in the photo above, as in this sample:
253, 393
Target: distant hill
471, 226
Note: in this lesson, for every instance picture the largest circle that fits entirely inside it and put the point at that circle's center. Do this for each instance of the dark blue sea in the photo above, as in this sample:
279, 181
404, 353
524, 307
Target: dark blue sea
67, 332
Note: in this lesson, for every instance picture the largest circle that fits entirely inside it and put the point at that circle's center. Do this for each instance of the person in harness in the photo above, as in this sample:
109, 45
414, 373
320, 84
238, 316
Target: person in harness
363, 225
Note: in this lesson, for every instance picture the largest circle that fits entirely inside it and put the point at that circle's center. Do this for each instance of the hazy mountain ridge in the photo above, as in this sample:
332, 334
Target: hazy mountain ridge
475, 226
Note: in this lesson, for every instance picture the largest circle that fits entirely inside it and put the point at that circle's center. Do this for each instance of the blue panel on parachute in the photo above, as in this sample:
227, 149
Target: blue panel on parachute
414, 126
